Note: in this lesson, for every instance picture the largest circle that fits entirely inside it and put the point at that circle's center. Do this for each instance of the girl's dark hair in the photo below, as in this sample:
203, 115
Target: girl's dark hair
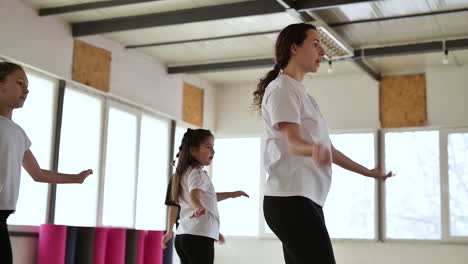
292, 34
192, 138
6, 68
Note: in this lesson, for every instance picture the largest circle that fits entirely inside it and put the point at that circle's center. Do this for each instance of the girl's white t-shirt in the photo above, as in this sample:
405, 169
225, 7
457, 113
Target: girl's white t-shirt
13, 143
287, 100
206, 225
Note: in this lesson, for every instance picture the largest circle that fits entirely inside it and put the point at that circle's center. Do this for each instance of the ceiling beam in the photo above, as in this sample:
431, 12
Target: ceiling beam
249, 8
359, 55
409, 49
363, 21
88, 6
202, 39
221, 66
366, 68
311, 5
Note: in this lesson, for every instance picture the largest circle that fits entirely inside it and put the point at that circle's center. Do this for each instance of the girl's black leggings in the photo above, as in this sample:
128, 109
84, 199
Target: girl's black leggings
194, 249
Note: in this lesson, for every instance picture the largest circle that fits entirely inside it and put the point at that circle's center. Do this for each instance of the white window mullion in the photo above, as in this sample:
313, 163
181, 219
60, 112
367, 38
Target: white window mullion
105, 131
137, 168
444, 185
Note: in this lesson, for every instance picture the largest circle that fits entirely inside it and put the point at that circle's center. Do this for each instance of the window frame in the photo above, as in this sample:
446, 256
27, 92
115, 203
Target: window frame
445, 184
443, 174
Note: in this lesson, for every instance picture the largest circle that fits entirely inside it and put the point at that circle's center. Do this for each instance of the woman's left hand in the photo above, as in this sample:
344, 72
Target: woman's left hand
379, 175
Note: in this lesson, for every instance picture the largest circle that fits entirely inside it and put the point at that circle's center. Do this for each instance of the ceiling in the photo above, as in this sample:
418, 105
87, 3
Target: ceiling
231, 41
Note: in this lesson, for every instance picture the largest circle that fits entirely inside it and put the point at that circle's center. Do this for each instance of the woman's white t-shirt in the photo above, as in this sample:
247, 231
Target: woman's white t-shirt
206, 225
13, 143
287, 100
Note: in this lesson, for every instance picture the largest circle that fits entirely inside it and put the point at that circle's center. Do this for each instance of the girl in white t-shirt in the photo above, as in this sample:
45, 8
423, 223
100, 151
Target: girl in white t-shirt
15, 152
193, 191
298, 151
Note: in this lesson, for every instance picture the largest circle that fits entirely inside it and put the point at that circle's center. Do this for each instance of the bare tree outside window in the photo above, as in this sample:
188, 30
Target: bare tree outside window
458, 183
413, 207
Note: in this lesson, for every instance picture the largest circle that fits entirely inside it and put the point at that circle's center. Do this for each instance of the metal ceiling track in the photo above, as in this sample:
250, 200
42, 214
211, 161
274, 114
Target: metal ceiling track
359, 56
176, 17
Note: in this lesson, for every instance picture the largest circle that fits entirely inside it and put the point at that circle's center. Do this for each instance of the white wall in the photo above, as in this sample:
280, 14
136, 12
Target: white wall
447, 95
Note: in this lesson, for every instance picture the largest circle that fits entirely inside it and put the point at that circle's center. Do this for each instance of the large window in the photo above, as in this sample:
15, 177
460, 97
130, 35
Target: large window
120, 168
37, 118
413, 208
152, 173
80, 146
458, 183
236, 166
350, 206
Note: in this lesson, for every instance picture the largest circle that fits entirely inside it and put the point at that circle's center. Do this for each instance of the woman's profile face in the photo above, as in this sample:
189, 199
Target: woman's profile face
310, 53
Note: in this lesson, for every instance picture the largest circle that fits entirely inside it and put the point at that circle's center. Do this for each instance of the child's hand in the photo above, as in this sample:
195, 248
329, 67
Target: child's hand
198, 212
221, 239
166, 238
239, 194
378, 175
83, 175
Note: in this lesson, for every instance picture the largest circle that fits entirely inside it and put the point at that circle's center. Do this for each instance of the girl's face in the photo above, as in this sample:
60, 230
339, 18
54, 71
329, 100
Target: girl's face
205, 152
310, 53
14, 90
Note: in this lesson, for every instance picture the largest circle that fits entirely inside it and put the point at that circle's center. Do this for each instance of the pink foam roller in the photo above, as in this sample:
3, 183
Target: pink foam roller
52, 244
153, 249
115, 250
141, 236
100, 244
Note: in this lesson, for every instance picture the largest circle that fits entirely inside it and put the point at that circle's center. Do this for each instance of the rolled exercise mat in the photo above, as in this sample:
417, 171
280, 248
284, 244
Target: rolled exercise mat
100, 245
84, 245
130, 247
153, 249
52, 244
141, 237
115, 249
70, 251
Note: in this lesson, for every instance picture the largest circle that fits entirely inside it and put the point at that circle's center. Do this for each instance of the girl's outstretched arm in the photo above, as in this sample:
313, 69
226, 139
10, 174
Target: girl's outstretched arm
171, 220
32, 167
226, 195
343, 161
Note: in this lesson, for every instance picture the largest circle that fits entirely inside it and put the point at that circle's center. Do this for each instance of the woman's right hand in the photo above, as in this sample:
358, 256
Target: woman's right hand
165, 239
322, 155
198, 212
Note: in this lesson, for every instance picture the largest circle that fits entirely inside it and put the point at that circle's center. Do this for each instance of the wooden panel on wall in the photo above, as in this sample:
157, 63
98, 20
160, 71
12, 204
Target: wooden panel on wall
192, 109
403, 101
91, 65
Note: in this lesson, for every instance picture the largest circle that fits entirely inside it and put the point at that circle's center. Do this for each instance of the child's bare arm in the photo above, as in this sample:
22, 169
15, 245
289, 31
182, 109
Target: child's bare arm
32, 167
226, 195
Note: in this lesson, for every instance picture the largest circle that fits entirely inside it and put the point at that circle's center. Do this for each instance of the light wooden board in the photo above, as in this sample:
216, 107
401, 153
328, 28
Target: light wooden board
192, 109
403, 101
91, 65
